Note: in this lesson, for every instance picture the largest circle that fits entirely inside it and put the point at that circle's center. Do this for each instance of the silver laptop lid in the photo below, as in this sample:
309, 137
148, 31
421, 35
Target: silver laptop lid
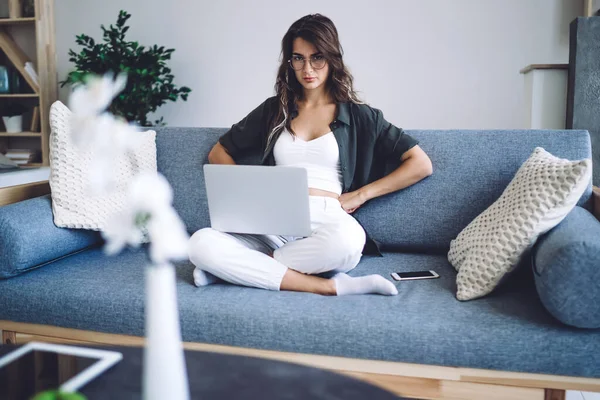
258, 199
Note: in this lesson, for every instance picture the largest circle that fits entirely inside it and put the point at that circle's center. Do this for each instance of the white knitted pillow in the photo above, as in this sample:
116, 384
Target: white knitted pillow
72, 204
544, 190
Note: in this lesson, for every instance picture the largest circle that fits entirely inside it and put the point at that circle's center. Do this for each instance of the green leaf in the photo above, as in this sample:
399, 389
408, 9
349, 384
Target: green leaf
49, 395
57, 395
72, 396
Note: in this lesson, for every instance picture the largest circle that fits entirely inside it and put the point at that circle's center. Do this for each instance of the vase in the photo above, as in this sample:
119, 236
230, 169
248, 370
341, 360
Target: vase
13, 124
164, 368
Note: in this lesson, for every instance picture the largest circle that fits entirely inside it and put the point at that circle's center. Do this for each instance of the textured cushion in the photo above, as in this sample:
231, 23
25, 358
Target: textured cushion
567, 270
544, 190
72, 204
29, 239
424, 324
471, 169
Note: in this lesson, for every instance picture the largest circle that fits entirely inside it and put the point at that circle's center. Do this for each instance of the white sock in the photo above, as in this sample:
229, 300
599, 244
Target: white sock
203, 278
364, 284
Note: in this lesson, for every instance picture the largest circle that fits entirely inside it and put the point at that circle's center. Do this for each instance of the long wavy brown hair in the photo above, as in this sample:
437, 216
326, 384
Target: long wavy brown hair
321, 33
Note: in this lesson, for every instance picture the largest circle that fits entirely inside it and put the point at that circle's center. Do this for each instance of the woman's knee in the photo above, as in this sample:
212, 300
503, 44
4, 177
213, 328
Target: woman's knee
344, 248
203, 247
349, 239
336, 248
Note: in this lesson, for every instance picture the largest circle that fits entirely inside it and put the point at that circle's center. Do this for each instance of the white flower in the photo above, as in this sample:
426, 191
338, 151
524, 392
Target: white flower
106, 137
108, 140
168, 236
149, 199
87, 102
120, 231
96, 95
150, 192
148, 213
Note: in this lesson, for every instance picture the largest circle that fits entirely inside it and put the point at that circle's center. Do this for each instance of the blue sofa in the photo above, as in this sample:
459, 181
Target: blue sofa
422, 342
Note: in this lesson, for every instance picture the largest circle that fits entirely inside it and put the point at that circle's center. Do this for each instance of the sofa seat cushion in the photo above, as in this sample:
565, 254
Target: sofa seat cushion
424, 324
567, 270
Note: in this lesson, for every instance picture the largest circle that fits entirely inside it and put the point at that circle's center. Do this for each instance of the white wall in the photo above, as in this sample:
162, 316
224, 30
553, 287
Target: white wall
426, 64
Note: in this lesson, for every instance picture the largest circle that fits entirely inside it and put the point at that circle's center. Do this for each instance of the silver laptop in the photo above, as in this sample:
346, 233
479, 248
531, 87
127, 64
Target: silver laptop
258, 199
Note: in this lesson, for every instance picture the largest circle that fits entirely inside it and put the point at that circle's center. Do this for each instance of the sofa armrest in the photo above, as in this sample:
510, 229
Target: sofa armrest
596, 202
565, 265
29, 239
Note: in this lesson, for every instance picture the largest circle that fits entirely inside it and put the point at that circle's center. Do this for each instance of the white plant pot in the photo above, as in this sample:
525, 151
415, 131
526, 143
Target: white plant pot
164, 368
13, 124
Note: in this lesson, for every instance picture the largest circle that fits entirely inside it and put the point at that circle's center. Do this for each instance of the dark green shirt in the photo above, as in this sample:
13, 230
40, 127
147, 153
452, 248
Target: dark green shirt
369, 146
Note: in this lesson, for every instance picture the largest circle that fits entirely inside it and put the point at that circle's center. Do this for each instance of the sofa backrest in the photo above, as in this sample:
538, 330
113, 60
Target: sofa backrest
471, 170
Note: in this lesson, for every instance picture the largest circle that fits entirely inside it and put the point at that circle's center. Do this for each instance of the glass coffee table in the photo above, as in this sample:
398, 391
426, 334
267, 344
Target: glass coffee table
224, 376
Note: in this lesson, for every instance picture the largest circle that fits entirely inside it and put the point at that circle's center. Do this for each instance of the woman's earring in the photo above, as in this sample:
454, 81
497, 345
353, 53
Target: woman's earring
286, 77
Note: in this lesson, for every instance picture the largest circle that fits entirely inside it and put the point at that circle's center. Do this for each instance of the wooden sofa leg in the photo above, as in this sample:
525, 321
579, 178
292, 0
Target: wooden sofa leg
555, 394
9, 337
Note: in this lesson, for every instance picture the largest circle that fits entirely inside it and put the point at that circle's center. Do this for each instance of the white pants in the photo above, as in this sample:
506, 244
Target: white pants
335, 244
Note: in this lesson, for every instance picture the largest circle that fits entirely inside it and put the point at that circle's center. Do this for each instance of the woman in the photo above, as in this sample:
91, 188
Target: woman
315, 121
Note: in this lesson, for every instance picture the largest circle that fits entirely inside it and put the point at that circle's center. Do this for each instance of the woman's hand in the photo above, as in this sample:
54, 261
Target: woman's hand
352, 201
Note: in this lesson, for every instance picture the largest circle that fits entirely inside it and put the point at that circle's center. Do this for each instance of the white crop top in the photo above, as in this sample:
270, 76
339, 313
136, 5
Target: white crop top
320, 157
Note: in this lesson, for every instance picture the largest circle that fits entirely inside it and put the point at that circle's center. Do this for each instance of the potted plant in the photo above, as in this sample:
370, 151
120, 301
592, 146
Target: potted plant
149, 79
12, 115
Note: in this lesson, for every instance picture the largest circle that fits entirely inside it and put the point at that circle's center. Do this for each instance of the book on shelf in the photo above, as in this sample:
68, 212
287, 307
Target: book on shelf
22, 156
18, 58
30, 69
6, 164
4, 79
35, 120
18, 152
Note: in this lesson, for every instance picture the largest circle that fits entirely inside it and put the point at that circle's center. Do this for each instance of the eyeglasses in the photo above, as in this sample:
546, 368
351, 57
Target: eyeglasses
316, 61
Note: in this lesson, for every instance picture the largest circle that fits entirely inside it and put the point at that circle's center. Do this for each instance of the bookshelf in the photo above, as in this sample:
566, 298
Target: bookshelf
21, 134
16, 21
29, 39
19, 95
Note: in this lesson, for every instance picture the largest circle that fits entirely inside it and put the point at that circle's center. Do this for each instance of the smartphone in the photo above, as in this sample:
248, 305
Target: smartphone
411, 276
